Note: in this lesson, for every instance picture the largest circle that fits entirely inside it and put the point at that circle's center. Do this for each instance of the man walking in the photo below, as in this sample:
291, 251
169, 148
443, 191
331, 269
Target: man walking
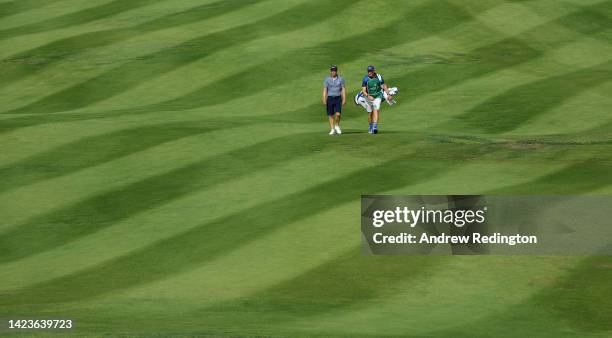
373, 88
334, 97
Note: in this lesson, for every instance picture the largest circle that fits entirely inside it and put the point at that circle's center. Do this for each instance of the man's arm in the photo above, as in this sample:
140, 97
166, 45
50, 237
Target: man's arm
386, 89
364, 90
383, 85
343, 95
324, 95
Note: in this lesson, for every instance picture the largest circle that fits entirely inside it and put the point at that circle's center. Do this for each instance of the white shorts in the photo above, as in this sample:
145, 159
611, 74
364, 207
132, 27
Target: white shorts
370, 105
376, 103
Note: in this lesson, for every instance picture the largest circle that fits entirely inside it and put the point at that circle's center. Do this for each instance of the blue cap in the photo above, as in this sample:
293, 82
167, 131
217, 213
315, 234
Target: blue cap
333, 67
371, 68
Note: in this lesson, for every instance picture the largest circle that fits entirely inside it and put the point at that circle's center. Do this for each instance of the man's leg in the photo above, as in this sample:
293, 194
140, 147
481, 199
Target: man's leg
375, 114
337, 121
338, 111
369, 110
364, 103
330, 116
375, 121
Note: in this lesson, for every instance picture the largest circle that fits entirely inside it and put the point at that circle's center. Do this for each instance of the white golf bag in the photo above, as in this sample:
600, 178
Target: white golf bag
362, 100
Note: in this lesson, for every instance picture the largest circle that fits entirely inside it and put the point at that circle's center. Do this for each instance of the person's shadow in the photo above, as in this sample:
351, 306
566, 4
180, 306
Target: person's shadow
355, 132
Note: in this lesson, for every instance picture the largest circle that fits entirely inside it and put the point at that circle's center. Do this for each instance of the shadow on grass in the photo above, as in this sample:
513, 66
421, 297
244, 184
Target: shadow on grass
202, 243
578, 178
574, 305
582, 298
348, 280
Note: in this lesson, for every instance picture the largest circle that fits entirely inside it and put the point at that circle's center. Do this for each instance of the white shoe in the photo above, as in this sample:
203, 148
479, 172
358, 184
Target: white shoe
332, 132
338, 131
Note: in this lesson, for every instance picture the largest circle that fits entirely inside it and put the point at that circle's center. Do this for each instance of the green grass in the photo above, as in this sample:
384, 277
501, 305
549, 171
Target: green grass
166, 167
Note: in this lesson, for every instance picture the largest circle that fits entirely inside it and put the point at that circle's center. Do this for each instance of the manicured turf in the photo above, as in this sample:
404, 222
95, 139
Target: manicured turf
165, 166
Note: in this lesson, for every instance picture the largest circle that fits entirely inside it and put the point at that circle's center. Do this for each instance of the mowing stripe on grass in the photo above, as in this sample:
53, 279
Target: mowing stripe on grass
210, 240
150, 66
65, 189
121, 267
578, 178
517, 106
56, 51
13, 7
440, 16
69, 223
94, 150
183, 213
468, 71
75, 18
325, 288
491, 58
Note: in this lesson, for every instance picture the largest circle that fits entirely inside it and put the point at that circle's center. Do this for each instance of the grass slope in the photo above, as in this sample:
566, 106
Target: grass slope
166, 169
